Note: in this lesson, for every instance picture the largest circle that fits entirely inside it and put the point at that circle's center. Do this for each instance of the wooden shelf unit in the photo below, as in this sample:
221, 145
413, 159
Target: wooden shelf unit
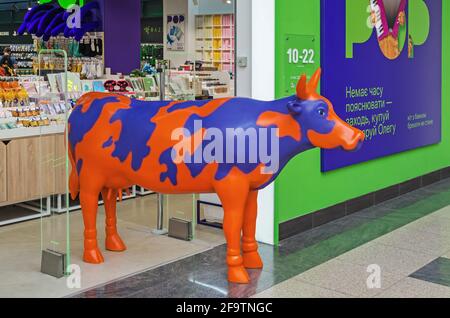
30, 169
215, 40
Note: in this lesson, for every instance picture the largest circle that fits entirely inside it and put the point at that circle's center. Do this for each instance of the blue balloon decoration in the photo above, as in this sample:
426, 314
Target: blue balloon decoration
33, 25
51, 20
58, 29
30, 15
46, 19
57, 20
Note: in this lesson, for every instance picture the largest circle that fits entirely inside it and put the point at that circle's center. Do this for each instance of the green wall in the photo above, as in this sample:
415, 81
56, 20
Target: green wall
302, 188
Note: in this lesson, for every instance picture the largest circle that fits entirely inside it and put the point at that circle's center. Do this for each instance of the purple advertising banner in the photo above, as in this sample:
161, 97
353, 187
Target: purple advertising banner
382, 70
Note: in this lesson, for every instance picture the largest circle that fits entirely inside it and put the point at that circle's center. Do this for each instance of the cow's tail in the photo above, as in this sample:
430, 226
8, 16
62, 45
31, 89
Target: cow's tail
74, 180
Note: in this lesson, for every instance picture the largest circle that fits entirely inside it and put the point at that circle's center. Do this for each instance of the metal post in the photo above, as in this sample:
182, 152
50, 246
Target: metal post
162, 84
160, 218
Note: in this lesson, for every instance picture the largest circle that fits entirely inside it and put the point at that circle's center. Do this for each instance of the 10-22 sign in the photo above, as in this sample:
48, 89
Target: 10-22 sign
307, 56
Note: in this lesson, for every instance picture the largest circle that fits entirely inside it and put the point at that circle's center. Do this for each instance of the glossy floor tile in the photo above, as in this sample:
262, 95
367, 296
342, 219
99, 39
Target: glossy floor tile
328, 261
20, 246
415, 288
437, 272
391, 259
348, 278
296, 288
402, 236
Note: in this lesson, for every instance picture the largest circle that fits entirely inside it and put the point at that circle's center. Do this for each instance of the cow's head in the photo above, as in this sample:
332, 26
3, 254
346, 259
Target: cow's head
319, 123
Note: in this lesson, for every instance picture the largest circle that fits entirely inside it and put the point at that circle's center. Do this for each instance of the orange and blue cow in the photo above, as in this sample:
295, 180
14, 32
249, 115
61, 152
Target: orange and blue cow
184, 147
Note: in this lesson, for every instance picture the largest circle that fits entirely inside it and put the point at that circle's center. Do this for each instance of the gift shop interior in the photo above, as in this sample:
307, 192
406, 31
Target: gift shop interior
176, 50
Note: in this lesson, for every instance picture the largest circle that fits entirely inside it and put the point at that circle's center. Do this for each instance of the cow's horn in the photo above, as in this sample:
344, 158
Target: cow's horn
314, 82
307, 90
302, 92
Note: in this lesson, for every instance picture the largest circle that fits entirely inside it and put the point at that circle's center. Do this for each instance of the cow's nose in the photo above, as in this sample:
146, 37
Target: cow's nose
360, 136
358, 146
358, 140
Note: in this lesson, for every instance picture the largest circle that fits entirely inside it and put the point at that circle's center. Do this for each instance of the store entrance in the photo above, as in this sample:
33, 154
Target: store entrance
193, 43
187, 53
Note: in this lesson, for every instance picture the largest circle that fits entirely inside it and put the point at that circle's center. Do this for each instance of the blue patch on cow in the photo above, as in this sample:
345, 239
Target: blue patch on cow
82, 122
187, 104
137, 128
79, 166
244, 113
195, 168
171, 173
108, 143
235, 113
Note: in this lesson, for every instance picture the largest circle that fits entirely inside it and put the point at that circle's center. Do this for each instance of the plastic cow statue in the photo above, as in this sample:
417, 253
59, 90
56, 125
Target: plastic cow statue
116, 142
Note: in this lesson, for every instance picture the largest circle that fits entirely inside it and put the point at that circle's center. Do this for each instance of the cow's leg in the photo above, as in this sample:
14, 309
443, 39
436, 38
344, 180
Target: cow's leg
249, 245
113, 242
233, 195
89, 206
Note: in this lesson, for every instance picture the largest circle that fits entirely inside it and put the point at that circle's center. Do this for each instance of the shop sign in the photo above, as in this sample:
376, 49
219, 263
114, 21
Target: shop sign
152, 30
382, 69
300, 57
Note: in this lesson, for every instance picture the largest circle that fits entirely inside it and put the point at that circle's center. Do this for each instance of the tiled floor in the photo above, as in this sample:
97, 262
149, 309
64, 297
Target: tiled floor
372, 253
20, 246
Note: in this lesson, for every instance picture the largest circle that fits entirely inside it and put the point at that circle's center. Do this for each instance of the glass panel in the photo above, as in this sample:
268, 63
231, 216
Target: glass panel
182, 84
215, 49
54, 88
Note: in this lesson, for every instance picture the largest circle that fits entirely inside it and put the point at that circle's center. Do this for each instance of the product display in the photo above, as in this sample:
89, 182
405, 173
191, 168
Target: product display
21, 106
84, 57
154, 166
151, 53
24, 54
91, 45
215, 43
182, 85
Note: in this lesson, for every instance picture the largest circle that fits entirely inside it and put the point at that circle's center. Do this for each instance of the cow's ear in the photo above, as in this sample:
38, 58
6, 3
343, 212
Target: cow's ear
294, 108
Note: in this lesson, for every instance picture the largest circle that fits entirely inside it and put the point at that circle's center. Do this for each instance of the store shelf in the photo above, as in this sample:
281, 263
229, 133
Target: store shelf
16, 133
215, 40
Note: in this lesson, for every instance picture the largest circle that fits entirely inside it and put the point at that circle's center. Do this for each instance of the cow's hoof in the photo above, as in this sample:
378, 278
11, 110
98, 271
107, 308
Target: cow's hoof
93, 256
252, 260
238, 275
114, 243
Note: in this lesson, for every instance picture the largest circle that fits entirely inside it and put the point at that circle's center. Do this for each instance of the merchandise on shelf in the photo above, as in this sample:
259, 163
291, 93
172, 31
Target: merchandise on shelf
87, 68
84, 57
198, 84
151, 53
215, 44
22, 106
12, 94
90, 46
24, 55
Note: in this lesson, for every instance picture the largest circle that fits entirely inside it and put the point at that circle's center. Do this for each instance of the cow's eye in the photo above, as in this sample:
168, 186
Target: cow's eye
321, 112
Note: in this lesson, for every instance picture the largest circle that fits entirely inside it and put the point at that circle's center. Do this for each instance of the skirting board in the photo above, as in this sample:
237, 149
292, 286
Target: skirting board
318, 218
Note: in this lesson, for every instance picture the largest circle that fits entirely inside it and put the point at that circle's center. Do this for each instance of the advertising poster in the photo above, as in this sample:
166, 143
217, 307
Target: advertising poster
176, 32
382, 70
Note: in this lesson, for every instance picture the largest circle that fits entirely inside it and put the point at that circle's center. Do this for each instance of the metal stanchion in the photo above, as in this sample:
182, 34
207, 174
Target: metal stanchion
160, 230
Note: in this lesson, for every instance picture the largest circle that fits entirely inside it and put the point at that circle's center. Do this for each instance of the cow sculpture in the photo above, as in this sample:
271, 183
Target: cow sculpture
116, 142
